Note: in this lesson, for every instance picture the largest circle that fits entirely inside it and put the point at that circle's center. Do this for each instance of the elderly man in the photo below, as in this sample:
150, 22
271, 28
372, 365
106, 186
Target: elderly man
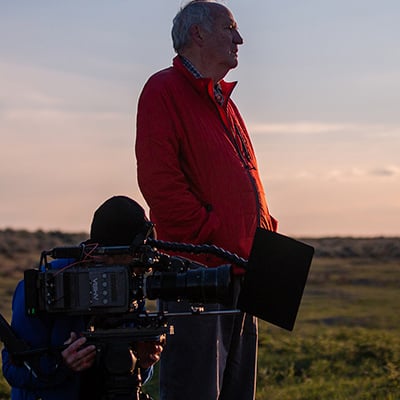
198, 173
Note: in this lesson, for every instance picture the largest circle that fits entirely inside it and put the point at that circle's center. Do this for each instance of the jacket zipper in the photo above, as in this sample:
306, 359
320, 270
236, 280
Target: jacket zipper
246, 163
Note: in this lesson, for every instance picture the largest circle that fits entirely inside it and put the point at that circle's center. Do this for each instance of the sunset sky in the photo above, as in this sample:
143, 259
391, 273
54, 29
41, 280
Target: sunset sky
319, 88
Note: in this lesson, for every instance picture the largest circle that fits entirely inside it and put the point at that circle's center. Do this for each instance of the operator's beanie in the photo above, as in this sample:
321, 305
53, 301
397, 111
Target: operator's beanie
117, 222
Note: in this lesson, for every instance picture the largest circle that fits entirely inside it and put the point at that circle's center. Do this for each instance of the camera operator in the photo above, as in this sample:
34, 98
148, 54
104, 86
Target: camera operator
70, 372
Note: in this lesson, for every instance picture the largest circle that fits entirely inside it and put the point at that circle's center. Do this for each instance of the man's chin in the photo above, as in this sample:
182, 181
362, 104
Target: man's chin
233, 62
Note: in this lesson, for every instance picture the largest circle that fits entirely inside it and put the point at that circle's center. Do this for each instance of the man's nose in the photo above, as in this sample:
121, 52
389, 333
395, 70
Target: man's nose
237, 38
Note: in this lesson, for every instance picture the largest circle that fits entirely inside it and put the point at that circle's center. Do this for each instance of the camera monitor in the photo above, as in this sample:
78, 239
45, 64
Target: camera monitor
277, 272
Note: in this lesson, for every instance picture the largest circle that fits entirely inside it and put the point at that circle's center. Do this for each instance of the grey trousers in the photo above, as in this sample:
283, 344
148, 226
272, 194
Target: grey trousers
209, 357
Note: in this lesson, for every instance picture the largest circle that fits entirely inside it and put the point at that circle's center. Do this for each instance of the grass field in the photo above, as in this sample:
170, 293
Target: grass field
346, 342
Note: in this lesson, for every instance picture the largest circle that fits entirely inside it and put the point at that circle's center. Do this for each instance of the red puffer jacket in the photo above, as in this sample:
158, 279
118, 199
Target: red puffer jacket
196, 166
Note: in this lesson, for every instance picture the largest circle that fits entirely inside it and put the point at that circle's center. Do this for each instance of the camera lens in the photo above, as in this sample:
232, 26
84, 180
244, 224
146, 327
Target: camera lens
200, 285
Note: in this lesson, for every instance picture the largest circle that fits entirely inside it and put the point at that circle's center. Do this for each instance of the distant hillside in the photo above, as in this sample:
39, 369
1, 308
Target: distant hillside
22, 248
382, 248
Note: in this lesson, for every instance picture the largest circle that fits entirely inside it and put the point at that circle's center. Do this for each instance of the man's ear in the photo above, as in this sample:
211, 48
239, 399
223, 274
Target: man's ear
197, 35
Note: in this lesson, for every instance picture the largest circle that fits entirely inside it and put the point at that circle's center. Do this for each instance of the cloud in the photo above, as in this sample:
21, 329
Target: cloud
316, 127
360, 174
389, 171
303, 127
351, 174
33, 88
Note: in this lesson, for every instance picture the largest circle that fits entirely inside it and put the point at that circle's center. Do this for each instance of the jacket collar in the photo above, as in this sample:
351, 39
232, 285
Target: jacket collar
204, 84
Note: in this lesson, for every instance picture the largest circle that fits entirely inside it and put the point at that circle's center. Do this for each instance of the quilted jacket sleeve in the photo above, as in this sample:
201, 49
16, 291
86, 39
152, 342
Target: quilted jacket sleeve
161, 178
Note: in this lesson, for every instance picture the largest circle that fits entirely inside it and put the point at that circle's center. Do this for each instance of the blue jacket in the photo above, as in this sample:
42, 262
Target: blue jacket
55, 381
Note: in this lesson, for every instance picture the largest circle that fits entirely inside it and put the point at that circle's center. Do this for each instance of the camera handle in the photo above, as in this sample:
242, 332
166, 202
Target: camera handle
116, 360
122, 377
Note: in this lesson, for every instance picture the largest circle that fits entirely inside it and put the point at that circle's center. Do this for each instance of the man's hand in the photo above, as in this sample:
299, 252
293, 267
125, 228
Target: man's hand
149, 353
75, 356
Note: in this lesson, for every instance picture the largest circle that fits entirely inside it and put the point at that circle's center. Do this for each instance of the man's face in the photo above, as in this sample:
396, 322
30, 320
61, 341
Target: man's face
222, 42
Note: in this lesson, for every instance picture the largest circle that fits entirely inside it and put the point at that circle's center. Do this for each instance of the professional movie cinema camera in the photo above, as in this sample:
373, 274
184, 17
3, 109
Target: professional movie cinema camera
111, 296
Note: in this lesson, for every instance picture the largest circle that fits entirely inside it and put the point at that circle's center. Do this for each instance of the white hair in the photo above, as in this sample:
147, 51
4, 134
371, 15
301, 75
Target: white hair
196, 12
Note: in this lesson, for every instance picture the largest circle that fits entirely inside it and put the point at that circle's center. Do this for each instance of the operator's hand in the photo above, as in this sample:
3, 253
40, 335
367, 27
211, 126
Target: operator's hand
149, 353
77, 356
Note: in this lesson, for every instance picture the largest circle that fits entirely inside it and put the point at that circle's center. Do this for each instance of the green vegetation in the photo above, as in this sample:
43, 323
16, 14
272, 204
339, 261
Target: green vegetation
346, 342
336, 363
